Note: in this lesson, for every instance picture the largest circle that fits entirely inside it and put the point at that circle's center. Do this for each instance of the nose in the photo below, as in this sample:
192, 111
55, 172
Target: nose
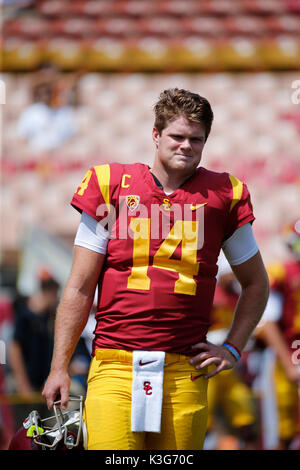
185, 143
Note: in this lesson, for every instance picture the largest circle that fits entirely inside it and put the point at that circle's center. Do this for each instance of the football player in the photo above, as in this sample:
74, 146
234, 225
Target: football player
149, 238
280, 330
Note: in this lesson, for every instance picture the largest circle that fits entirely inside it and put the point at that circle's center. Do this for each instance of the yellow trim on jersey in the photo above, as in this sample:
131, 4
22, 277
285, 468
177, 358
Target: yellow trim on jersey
237, 190
103, 176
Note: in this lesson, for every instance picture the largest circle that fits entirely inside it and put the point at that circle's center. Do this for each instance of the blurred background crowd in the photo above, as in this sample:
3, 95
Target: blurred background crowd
78, 84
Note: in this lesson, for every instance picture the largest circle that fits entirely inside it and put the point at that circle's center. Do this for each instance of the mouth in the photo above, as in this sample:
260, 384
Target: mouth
183, 155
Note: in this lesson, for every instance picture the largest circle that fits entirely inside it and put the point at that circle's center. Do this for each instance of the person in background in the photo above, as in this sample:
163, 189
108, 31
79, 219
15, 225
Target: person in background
279, 329
31, 347
50, 120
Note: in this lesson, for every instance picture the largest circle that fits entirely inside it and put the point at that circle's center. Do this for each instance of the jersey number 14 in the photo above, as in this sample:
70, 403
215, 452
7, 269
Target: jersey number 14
184, 232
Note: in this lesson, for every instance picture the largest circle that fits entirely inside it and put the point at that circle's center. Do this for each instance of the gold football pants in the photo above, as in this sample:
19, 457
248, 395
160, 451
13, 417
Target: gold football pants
107, 411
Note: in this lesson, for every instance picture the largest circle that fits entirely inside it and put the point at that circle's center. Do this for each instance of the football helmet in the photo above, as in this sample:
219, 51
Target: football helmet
62, 431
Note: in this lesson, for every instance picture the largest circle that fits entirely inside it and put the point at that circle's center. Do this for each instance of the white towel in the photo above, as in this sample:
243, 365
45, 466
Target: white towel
147, 390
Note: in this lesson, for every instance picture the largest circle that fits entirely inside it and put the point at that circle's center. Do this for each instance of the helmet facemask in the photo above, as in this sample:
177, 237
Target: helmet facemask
64, 428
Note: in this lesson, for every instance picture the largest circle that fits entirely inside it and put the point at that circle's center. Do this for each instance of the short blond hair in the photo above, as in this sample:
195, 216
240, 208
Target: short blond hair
175, 102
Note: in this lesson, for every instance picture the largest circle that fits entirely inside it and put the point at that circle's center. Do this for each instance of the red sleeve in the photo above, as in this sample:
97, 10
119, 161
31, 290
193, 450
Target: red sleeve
240, 208
93, 194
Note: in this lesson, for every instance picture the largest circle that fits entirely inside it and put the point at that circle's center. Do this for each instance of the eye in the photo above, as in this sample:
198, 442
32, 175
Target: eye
177, 136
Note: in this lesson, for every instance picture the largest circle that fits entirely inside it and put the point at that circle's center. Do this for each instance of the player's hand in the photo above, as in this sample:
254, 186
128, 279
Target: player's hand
212, 354
57, 388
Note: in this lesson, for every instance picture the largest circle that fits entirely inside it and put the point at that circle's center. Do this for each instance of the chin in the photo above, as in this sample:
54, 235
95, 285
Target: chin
185, 164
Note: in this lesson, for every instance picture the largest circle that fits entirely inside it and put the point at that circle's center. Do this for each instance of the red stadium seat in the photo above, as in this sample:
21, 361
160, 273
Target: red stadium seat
244, 25
161, 26
27, 27
78, 7
203, 26
12, 28
179, 8
53, 7
263, 7
74, 27
118, 26
222, 7
292, 5
283, 24
290, 24
97, 8
139, 8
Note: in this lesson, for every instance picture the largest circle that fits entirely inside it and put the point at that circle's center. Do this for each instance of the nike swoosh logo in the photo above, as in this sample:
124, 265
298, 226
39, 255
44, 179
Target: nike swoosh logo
194, 377
194, 208
145, 363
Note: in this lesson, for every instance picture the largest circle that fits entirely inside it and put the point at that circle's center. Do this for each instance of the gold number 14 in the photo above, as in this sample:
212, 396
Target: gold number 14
184, 231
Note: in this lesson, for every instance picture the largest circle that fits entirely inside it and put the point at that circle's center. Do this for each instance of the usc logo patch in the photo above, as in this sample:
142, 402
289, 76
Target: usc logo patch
132, 202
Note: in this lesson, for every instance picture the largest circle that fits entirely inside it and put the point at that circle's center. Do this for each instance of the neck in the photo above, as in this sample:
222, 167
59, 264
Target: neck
168, 179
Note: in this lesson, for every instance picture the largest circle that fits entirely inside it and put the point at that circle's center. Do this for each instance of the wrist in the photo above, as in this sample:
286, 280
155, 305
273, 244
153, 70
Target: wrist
59, 368
234, 350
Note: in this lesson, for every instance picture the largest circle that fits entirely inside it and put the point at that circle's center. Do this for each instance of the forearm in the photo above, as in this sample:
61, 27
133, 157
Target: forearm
72, 315
249, 310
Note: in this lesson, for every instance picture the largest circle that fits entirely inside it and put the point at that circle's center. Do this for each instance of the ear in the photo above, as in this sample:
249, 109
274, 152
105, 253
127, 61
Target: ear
155, 136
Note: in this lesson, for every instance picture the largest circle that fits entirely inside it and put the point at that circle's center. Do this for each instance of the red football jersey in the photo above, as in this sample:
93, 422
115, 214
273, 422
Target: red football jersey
157, 285
285, 278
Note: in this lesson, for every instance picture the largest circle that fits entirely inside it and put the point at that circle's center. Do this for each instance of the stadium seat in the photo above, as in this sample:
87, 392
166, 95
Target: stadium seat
292, 6
53, 7
161, 26
20, 54
137, 8
284, 24
65, 53
238, 53
263, 7
118, 26
282, 52
243, 25
204, 26
105, 54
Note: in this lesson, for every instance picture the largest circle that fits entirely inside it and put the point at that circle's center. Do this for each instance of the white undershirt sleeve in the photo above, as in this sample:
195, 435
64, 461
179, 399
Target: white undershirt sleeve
241, 246
91, 234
